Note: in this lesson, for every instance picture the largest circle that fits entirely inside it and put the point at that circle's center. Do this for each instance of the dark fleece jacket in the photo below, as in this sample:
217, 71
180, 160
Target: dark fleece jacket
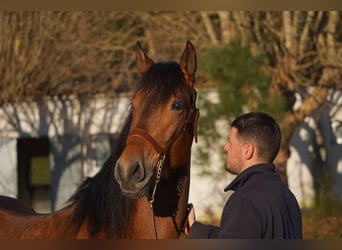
261, 207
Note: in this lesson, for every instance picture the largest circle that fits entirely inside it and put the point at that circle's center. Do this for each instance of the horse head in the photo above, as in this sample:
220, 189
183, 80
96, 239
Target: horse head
164, 122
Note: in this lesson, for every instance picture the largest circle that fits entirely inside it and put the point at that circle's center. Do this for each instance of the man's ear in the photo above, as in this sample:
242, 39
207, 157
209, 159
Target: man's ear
248, 151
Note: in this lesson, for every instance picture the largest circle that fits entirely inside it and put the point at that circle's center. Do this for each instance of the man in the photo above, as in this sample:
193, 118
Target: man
261, 206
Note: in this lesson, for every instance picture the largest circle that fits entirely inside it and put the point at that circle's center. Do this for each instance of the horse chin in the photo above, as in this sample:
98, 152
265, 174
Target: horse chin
132, 195
135, 194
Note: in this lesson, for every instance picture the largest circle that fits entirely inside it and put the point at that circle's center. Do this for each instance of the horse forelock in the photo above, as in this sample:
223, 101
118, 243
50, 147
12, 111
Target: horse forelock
161, 81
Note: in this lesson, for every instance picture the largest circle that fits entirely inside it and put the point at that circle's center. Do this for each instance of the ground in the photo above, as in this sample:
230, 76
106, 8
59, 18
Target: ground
329, 227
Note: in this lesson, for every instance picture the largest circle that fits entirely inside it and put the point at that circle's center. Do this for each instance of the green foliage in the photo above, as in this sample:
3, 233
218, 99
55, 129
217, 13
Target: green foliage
242, 84
240, 77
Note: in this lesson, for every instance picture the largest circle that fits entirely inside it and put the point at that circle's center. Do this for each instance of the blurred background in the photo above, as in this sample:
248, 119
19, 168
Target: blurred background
66, 80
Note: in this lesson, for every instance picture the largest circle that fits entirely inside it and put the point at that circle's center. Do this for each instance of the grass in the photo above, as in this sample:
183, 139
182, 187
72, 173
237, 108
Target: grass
324, 221
324, 227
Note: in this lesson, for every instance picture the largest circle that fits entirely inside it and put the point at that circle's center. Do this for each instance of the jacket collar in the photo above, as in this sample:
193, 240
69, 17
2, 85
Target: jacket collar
246, 174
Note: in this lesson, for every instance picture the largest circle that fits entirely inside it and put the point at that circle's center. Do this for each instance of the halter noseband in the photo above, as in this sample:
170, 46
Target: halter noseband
141, 133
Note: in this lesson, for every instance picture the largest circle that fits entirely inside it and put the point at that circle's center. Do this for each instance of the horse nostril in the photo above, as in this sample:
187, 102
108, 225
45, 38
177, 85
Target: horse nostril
132, 173
138, 172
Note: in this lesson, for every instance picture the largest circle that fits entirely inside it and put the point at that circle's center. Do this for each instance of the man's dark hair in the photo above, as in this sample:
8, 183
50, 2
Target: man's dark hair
261, 130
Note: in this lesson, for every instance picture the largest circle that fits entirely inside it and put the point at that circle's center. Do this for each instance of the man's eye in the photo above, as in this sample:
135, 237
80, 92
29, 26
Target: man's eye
178, 106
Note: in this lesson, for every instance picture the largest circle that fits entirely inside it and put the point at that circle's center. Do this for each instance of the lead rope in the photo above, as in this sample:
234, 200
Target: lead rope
160, 165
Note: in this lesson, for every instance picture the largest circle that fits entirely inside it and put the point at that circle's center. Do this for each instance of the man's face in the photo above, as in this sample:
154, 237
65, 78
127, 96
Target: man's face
233, 148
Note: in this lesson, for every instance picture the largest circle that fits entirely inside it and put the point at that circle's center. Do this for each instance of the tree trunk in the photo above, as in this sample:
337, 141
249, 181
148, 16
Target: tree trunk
292, 120
209, 27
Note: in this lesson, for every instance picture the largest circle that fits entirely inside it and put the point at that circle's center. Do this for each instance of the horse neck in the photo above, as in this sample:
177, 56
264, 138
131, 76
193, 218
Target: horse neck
62, 221
63, 226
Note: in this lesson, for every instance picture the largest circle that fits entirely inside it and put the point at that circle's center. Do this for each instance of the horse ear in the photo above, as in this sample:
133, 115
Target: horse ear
143, 61
188, 61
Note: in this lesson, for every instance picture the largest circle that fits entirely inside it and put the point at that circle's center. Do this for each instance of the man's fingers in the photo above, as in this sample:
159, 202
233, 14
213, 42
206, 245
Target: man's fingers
186, 225
191, 216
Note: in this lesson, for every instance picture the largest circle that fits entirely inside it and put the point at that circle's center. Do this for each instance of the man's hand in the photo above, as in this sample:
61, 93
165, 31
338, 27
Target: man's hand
189, 220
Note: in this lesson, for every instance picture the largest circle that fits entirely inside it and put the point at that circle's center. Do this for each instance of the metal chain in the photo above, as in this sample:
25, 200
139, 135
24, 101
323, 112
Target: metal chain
159, 166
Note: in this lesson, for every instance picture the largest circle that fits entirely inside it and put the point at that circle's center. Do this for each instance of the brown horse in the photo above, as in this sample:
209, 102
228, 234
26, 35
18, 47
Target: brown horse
142, 189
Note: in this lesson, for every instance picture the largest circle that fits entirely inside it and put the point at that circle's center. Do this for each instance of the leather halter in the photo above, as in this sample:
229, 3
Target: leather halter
142, 134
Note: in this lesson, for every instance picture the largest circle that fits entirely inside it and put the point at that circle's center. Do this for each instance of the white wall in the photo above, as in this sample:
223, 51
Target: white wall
8, 173
69, 124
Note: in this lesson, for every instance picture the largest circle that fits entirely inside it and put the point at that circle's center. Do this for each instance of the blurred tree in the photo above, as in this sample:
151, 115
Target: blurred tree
53, 64
304, 49
51, 53
241, 82
54, 53
304, 57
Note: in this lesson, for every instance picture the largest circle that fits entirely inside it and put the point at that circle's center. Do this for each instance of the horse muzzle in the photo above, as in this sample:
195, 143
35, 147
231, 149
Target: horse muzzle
133, 178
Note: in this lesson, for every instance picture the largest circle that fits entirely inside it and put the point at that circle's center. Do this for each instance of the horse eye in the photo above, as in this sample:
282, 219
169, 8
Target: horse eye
178, 106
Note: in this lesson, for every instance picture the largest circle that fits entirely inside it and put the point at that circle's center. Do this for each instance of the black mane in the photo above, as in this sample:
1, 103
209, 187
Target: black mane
99, 198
